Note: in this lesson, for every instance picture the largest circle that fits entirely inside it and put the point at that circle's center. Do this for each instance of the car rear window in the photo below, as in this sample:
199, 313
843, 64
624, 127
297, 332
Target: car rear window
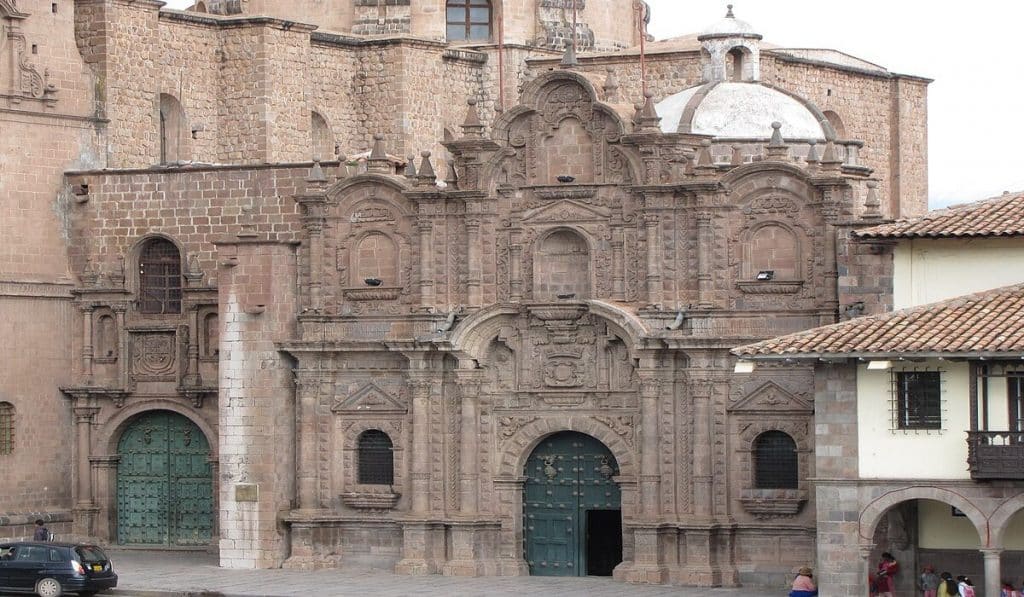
90, 554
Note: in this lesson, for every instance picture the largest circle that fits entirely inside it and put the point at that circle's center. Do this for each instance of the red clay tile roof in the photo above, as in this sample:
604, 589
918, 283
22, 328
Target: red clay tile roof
990, 322
999, 216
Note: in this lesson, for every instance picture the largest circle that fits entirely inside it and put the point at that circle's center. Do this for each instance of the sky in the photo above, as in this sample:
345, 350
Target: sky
971, 50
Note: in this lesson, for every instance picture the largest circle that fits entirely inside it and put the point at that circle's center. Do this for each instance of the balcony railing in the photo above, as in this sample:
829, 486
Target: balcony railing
995, 454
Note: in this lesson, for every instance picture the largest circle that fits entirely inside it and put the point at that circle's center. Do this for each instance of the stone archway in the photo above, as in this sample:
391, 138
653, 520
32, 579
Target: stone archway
572, 507
164, 482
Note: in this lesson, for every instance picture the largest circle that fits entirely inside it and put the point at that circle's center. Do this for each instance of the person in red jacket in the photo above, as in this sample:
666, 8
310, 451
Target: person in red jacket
886, 577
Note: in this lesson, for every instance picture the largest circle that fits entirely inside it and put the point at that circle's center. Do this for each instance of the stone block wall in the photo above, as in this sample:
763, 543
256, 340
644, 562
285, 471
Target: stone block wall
257, 430
194, 206
34, 366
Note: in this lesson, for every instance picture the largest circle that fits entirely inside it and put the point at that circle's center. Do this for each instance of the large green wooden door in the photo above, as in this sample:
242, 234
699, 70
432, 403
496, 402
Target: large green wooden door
164, 483
567, 475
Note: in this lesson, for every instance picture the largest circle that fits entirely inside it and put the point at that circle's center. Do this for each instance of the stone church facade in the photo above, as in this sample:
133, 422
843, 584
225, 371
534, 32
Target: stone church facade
505, 354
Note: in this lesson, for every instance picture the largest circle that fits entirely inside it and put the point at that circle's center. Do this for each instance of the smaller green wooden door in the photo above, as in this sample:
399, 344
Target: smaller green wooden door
568, 475
164, 482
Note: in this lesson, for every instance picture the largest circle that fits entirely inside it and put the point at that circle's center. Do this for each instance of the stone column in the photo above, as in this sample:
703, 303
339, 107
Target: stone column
650, 479
701, 390
475, 277
306, 397
425, 228
469, 454
85, 505
313, 222
122, 356
704, 248
653, 259
618, 266
87, 311
84, 417
192, 375
516, 273
420, 445
993, 572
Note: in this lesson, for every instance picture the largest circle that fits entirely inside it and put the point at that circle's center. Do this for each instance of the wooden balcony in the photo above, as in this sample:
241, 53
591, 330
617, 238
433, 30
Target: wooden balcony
996, 454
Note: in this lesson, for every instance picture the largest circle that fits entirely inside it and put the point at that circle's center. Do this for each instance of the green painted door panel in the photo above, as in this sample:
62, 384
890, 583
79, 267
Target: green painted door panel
164, 482
568, 474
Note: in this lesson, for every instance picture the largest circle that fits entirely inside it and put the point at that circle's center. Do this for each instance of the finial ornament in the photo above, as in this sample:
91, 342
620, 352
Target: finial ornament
776, 134
729, 14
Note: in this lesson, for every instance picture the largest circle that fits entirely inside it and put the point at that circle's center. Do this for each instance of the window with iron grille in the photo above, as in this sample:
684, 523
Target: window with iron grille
775, 461
160, 278
469, 20
918, 399
376, 459
6, 428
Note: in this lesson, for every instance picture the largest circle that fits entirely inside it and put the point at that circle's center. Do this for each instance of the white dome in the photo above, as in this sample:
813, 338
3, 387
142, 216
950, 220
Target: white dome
737, 110
728, 26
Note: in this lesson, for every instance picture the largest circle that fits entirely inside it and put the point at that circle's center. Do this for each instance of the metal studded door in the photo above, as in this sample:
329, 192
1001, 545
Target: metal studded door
164, 482
568, 475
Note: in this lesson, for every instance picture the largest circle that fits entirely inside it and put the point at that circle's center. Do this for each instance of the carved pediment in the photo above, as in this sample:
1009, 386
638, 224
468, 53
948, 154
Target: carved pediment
9, 10
566, 210
370, 399
772, 398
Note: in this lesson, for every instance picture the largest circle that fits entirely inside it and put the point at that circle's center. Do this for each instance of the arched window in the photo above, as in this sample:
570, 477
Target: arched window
160, 277
376, 460
174, 133
735, 63
6, 428
469, 20
775, 461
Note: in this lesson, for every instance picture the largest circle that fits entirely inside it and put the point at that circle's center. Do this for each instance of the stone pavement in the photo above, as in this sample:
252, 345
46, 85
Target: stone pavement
180, 574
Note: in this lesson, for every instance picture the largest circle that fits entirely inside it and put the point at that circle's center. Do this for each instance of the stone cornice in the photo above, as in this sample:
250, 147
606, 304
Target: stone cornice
54, 290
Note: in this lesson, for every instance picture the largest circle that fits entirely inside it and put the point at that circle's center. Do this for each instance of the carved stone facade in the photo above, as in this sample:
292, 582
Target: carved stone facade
580, 270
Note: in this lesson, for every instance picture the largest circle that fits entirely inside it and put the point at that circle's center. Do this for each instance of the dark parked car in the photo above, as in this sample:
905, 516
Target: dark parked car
52, 569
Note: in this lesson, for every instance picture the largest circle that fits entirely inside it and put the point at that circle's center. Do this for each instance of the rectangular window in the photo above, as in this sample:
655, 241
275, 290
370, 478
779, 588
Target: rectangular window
918, 400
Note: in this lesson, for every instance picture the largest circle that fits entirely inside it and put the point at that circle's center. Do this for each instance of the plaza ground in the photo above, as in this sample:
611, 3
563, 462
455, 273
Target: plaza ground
175, 574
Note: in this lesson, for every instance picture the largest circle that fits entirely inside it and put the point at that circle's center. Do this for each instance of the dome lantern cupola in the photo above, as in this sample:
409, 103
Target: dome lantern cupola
730, 51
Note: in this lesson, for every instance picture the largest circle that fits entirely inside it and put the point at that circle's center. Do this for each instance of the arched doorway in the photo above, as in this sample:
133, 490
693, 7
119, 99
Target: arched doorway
164, 482
572, 508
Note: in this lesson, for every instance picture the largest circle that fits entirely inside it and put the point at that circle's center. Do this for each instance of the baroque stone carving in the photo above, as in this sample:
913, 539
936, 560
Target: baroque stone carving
154, 356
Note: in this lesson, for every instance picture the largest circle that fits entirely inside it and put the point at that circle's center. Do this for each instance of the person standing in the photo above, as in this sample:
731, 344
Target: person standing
803, 584
929, 583
886, 577
42, 533
947, 586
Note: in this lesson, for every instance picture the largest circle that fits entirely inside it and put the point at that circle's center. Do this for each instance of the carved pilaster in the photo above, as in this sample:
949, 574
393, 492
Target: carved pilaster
650, 478
420, 389
618, 266
122, 335
475, 277
87, 348
85, 416
516, 274
192, 377
704, 245
469, 389
308, 386
425, 228
313, 219
654, 241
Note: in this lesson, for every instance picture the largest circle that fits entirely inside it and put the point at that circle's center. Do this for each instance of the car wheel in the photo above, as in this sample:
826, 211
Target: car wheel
49, 587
